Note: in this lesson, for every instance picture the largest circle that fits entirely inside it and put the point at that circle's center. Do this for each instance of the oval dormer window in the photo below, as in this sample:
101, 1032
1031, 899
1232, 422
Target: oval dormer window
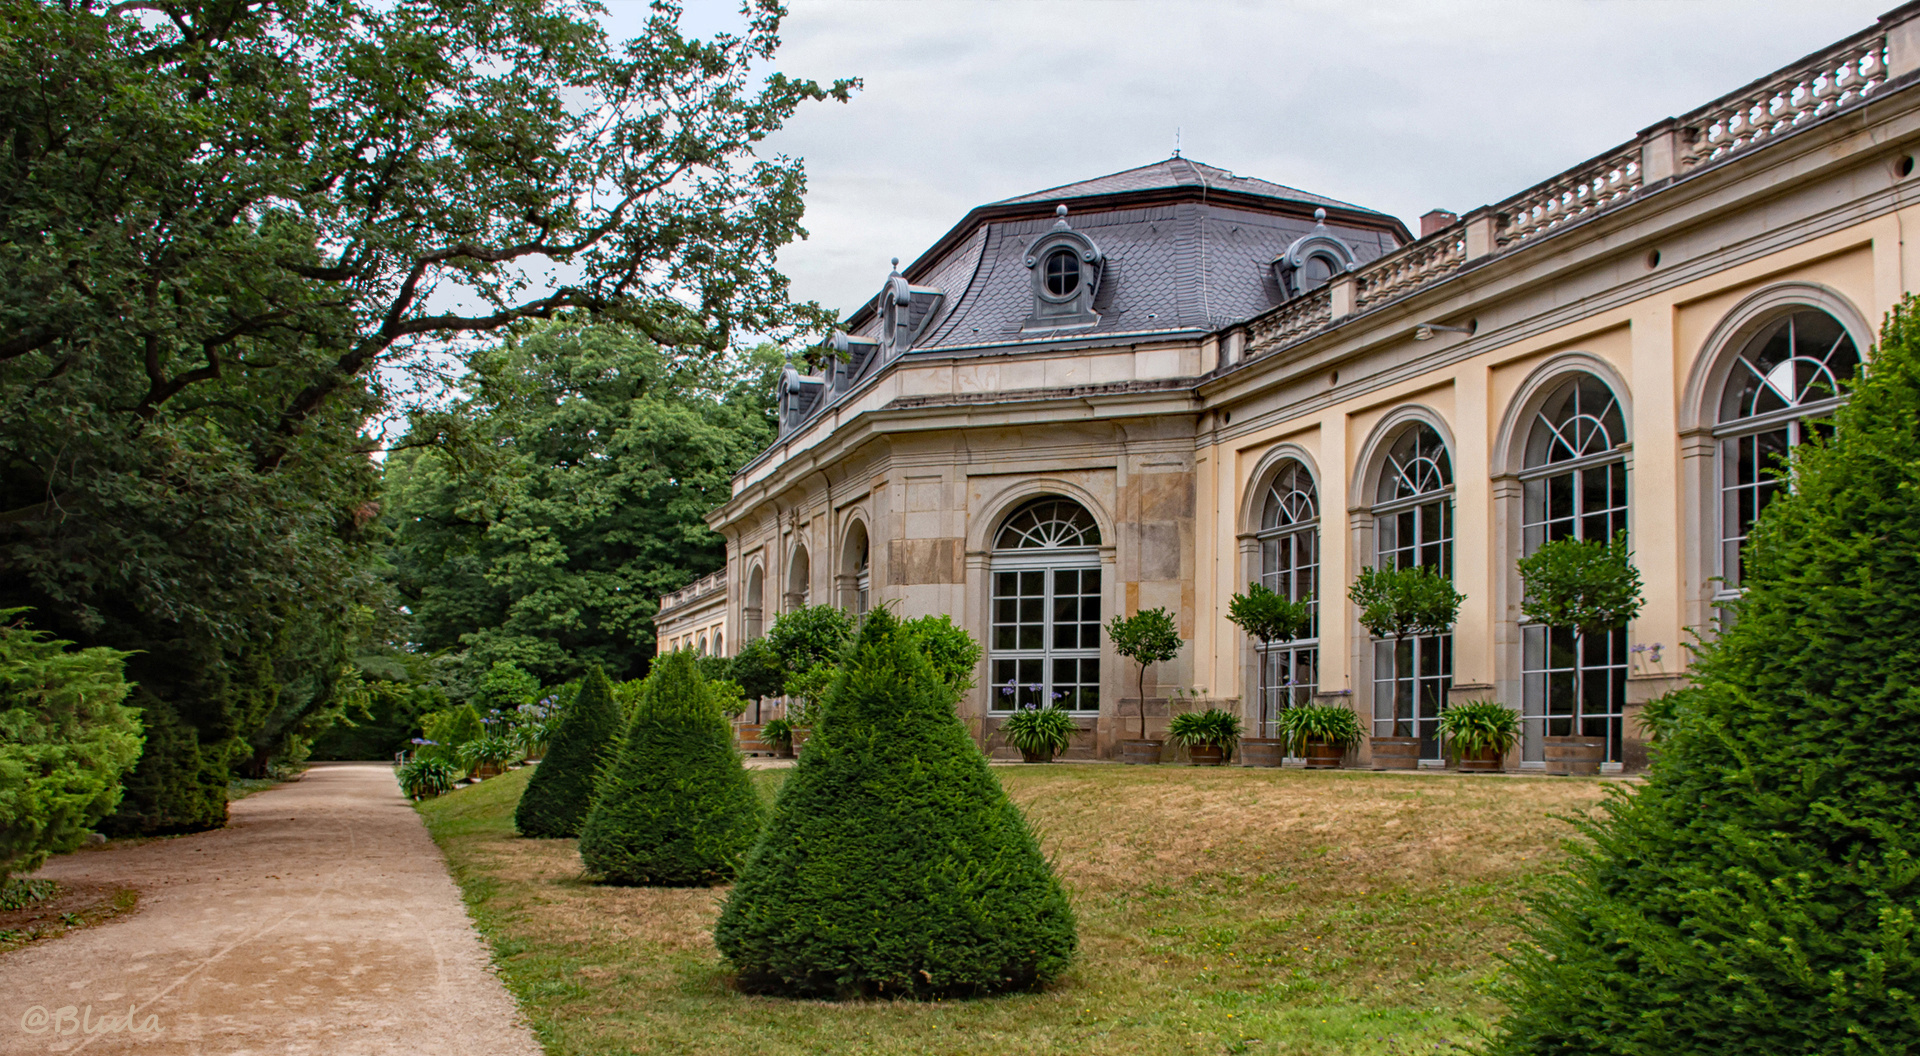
1317, 270
1063, 272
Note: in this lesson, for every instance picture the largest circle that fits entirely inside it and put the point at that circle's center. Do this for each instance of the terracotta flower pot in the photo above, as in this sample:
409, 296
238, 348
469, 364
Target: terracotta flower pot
1324, 756
1206, 755
1043, 756
1140, 753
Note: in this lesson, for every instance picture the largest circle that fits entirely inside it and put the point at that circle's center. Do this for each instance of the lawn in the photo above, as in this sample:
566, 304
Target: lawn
1221, 911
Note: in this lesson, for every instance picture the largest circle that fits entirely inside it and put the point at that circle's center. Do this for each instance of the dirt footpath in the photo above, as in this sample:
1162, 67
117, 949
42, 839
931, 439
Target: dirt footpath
321, 920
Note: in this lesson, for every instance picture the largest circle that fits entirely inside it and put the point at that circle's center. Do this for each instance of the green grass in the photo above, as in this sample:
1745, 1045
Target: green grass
1228, 910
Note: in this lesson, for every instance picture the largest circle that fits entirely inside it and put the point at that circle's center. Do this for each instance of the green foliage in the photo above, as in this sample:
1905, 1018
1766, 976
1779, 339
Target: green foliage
677, 806
1270, 616
1474, 726
65, 741
949, 648
545, 513
561, 789
808, 636
448, 730
179, 785
778, 731
1405, 602
1040, 731
1147, 637
484, 751
426, 778
1325, 723
1211, 728
504, 689
894, 864
805, 690
728, 697
758, 670
1756, 895
381, 715
1581, 583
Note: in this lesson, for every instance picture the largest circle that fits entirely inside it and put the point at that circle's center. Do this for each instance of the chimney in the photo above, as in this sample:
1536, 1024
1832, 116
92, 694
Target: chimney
1437, 219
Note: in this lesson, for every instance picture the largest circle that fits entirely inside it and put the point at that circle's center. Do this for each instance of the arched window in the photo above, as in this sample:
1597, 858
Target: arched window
1791, 371
750, 611
799, 579
1413, 527
856, 579
1044, 645
1575, 485
1290, 566
718, 649
703, 645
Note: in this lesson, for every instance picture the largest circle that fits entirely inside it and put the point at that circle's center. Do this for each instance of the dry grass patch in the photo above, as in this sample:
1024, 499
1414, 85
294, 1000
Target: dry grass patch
1231, 910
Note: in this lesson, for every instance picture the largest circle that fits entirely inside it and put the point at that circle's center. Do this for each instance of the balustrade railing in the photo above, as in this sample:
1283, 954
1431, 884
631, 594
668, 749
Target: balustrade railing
1845, 74
697, 589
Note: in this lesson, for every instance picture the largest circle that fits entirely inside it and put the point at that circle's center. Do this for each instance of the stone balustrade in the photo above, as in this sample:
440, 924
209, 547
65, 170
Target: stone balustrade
699, 588
1843, 75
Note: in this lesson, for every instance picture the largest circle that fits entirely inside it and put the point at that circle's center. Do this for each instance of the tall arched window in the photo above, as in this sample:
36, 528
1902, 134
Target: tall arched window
1290, 566
856, 579
1413, 527
750, 611
799, 579
1790, 371
1575, 485
1044, 645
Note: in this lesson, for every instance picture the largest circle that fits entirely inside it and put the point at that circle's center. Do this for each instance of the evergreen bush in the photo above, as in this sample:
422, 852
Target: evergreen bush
676, 807
893, 863
1758, 893
558, 795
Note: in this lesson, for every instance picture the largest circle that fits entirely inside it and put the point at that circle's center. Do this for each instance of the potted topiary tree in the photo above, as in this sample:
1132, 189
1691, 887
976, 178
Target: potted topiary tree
1321, 733
1479, 733
1270, 617
1209, 736
1147, 637
1593, 588
1403, 603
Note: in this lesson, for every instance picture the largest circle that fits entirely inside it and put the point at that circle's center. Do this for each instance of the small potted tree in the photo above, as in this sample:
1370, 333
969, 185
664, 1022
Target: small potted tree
1209, 736
1270, 617
1321, 733
1398, 604
1147, 637
1479, 733
1592, 588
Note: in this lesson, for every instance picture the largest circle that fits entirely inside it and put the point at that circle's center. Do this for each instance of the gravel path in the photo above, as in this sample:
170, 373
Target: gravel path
321, 920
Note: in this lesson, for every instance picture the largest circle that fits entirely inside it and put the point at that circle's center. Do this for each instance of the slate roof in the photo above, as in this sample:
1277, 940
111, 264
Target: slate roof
1178, 172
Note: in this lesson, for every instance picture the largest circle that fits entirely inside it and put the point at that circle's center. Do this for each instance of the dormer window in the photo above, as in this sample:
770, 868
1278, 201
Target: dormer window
1063, 272
1313, 260
1066, 268
904, 310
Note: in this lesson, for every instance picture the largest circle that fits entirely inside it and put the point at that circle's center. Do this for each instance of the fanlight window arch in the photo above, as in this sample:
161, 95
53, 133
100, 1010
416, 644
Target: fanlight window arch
1289, 672
1417, 464
1044, 642
1048, 524
1791, 371
1574, 486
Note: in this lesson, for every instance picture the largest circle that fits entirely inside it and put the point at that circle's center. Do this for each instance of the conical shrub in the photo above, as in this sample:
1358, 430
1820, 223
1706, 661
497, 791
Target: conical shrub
1758, 893
893, 863
560, 792
676, 807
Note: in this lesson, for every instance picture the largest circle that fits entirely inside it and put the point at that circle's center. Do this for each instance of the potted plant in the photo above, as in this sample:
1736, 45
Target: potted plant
779, 733
1039, 733
1479, 733
1592, 588
1403, 603
425, 778
1147, 637
1323, 733
1209, 736
1270, 617
484, 756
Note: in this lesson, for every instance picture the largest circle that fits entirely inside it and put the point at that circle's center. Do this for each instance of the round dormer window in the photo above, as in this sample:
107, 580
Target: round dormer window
1063, 272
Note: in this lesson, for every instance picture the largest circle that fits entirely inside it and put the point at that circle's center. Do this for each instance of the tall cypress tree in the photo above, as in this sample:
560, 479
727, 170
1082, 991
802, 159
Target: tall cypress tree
557, 797
677, 806
894, 863
1758, 893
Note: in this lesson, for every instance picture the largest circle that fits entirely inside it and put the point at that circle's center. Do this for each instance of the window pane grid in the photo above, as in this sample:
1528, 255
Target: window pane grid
1046, 639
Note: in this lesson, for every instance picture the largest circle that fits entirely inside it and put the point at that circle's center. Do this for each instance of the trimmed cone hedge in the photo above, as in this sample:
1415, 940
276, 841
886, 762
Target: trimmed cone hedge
894, 864
557, 797
677, 807
1758, 894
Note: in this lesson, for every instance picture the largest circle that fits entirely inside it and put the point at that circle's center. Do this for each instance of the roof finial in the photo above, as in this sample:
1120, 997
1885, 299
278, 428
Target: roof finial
1176, 141
896, 260
1320, 216
1060, 217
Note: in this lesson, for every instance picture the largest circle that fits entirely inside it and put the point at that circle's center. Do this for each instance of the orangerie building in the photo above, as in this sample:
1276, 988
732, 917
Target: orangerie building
1154, 387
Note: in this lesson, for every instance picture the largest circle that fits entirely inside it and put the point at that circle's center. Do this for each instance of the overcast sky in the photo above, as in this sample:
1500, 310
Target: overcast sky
1399, 106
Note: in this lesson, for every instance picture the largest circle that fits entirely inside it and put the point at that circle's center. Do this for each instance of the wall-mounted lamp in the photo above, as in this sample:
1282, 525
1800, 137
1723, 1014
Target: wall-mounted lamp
1425, 331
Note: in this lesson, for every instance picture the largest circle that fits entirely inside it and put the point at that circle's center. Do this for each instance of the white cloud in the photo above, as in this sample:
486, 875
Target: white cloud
1401, 106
